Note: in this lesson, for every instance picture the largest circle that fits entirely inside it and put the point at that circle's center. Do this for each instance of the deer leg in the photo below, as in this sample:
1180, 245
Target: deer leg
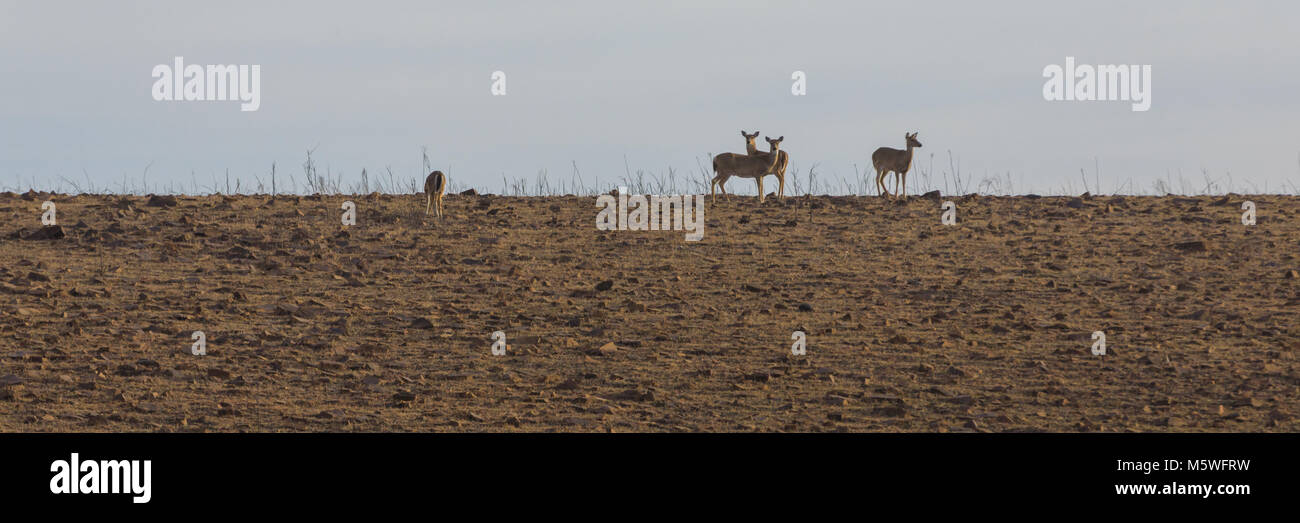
880, 183
780, 185
760, 189
428, 199
904, 175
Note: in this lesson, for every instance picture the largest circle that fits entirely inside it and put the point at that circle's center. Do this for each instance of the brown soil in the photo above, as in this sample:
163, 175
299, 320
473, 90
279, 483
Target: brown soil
912, 326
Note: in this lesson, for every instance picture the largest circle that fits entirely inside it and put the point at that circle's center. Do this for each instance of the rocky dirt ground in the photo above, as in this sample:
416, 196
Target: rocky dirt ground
911, 325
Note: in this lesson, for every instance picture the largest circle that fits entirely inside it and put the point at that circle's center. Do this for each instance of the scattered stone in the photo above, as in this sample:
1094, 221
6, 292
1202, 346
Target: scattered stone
1173, 421
932, 195
605, 285
607, 349
469, 192
893, 411
240, 253
162, 201
48, 232
1191, 246
634, 395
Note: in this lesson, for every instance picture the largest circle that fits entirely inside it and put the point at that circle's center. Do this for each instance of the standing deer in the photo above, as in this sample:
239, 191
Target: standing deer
778, 170
750, 148
434, 186
886, 159
756, 165
727, 158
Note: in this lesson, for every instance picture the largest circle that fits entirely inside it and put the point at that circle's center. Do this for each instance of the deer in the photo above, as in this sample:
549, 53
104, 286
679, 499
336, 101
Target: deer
755, 165
750, 148
886, 159
727, 158
434, 186
778, 170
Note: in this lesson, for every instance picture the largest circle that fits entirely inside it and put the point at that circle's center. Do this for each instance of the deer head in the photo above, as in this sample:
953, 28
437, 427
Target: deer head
911, 140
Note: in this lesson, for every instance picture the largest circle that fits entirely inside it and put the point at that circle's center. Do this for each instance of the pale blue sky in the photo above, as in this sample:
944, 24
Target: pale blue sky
661, 83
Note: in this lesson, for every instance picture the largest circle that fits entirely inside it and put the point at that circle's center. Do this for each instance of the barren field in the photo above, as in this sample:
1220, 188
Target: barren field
911, 325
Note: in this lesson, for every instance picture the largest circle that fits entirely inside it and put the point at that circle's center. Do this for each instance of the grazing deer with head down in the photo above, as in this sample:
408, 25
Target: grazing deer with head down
434, 186
886, 159
756, 165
